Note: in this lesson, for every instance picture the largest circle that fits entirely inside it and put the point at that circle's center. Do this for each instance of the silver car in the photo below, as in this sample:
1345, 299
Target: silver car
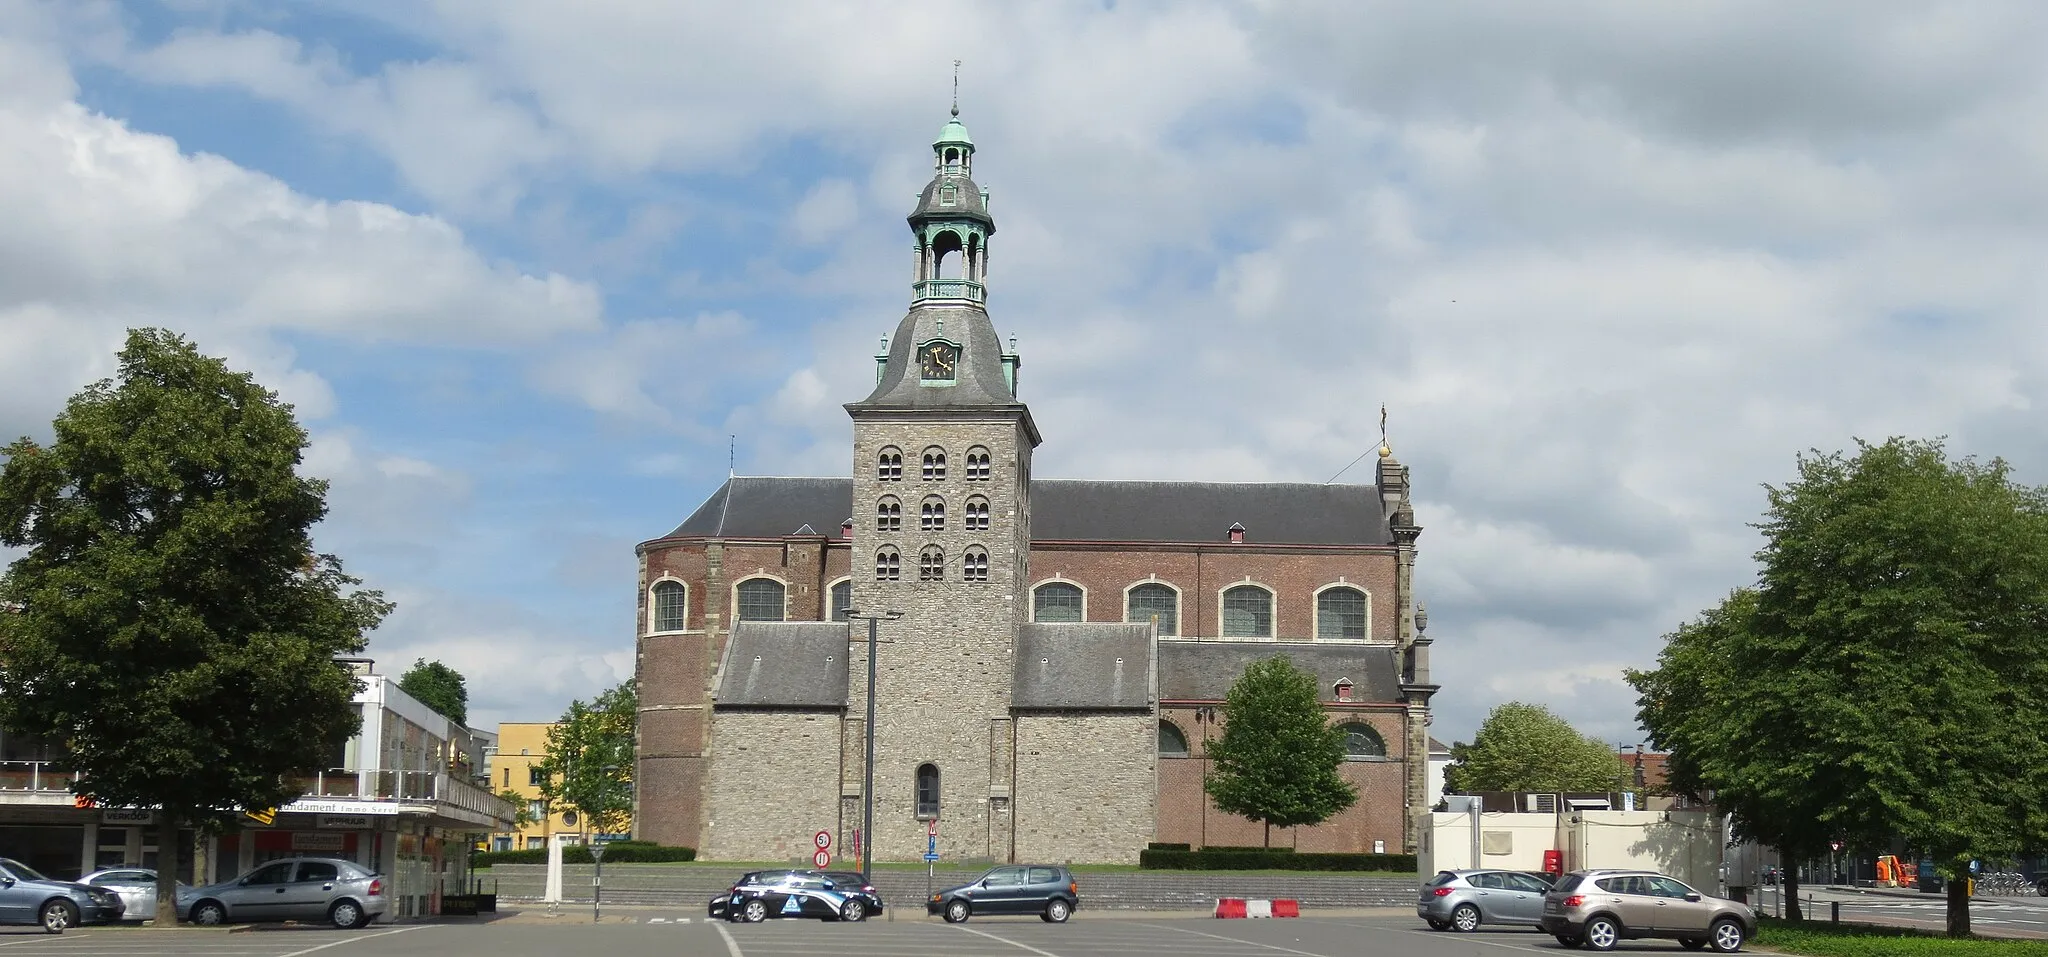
1462, 900
136, 886
328, 889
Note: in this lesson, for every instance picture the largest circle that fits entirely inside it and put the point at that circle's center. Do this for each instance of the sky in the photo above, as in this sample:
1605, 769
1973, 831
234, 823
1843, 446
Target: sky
536, 275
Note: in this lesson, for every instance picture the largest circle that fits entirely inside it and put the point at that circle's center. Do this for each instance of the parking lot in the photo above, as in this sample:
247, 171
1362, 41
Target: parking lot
1379, 934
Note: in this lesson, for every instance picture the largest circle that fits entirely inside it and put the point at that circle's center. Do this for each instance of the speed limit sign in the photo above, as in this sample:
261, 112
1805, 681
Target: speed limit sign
823, 839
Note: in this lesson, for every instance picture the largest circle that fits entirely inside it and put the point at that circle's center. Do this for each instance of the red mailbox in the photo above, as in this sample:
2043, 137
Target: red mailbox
1553, 862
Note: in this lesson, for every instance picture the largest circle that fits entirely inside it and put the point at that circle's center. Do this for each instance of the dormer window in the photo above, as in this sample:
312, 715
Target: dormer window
949, 196
1343, 689
1236, 534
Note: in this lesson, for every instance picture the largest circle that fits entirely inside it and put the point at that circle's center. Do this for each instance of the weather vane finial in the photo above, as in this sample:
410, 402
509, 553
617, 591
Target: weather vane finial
956, 87
1385, 449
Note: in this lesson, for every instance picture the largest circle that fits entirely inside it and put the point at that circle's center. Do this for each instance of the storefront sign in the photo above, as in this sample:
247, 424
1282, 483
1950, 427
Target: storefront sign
353, 822
340, 807
317, 841
127, 815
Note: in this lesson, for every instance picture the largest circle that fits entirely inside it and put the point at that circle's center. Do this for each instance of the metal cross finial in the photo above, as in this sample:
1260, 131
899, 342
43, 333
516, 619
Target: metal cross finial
956, 87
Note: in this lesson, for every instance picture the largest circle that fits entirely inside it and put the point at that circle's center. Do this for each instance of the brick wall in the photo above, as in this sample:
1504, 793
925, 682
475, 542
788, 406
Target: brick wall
773, 784
1201, 573
1188, 816
1086, 787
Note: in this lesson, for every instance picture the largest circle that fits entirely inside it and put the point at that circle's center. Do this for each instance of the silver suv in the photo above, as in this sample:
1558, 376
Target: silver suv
327, 889
1598, 908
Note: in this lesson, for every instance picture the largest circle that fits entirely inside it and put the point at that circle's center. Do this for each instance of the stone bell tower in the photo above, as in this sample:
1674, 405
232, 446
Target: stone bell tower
941, 534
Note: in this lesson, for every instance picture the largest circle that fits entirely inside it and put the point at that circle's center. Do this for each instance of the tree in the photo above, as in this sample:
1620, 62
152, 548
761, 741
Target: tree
438, 687
175, 628
1903, 594
1715, 722
1524, 747
589, 760
1891, 681
1277, 760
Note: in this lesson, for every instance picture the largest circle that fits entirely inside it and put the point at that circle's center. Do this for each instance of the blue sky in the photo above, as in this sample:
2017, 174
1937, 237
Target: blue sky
526, 269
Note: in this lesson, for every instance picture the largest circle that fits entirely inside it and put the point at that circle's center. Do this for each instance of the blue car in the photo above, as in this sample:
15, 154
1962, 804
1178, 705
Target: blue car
769, 895
27, 897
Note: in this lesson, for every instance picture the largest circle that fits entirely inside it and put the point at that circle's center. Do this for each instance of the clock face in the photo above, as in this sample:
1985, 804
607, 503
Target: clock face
938, 360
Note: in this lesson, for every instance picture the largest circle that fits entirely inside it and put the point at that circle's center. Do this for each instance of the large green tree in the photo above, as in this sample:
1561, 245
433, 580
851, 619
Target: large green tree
1904, 594
439, 687
1891, 681
1719, 725
589, 759
176, 630
1524, 747
1277, 760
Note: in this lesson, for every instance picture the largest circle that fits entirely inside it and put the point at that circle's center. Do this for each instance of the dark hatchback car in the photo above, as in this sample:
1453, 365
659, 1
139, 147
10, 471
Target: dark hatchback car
1048, 891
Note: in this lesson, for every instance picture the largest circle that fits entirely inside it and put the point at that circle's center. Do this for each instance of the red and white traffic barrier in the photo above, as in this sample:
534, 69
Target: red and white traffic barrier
1242, 907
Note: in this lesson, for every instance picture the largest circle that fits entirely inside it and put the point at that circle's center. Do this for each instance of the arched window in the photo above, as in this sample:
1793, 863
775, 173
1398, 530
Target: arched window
1154, 601
977, 514
931, 564
977, 464
842, 599
1056, 601
1340, 613
927, 792
671, 606
974, 566
760, 599
889, 465
888, 564
1172, 743
931, 516
888, 514
1362, 743
934, 464
1247, 612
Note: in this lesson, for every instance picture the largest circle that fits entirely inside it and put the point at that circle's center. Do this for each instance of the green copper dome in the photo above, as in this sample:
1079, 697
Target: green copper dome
953, 134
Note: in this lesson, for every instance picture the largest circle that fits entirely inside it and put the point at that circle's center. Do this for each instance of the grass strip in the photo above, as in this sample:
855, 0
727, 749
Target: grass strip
1812, 938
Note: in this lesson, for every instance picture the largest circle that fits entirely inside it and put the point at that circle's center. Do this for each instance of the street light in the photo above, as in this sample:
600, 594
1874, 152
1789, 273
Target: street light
867, 788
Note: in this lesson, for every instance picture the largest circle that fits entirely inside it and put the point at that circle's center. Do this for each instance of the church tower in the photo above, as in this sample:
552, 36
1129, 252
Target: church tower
941, 535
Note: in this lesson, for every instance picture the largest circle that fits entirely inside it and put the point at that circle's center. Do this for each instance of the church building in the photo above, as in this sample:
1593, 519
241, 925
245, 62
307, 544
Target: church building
1054, 653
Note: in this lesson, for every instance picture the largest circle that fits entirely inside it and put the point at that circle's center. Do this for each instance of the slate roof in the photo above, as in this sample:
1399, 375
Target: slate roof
784, 664
967, 202
978, 380
1094, 666
1073, 510
1205, 670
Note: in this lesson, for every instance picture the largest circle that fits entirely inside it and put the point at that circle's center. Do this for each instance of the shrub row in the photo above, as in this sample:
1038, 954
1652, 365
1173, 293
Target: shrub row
1278, 859
616, 852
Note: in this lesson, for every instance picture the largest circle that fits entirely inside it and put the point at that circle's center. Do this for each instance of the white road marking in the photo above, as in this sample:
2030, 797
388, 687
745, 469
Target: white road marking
1005, 940
44, 938
351, 940
731, 946
1236, 940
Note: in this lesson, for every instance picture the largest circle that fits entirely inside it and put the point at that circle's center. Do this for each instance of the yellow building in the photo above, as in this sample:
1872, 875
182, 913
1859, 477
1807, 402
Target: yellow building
516, 767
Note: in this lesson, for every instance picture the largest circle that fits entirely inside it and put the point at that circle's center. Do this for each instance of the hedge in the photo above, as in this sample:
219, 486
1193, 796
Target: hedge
615, 852
1277, 859
1157, 846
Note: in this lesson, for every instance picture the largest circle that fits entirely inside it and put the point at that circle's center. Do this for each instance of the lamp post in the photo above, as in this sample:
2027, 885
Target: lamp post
867, 787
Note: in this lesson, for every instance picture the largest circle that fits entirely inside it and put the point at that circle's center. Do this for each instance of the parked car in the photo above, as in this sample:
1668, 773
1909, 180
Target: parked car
27, 897
1048, 891
136, 886
1462, 900
768, 895
1598, 908
846, 881
339, 892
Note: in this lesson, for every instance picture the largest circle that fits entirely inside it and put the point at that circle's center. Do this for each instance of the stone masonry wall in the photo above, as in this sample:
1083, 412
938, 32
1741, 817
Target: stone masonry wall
773, 784
1087, 787
945, 671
